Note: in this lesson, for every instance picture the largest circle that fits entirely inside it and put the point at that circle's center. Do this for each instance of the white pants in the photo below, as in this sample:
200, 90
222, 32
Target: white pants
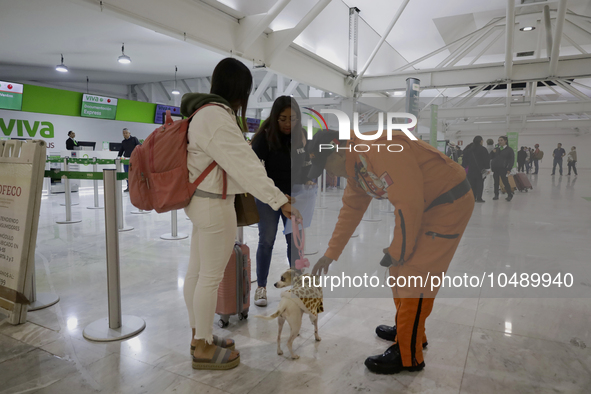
212, 241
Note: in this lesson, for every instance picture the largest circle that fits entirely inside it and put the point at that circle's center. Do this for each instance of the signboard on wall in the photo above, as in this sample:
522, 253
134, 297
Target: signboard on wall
11, 95
98, 107
54, 128
513, 143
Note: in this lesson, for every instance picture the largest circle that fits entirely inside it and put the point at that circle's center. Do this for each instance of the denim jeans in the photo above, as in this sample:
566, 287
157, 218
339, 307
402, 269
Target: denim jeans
536, 166
126, 168
268, 225
559, 163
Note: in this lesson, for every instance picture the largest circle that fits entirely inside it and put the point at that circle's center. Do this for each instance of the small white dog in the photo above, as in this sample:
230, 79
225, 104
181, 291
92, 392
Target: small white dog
302, 298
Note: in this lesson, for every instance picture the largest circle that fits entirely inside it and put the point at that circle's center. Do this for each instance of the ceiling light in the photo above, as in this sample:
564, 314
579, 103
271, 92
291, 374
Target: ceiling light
399, 93
61, 67
123, 59
175, 90
527, 28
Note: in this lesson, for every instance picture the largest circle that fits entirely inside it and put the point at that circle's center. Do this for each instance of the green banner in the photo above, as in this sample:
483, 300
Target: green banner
86, 162
81, 175
433, 134
513, 137
11, 96
98, 107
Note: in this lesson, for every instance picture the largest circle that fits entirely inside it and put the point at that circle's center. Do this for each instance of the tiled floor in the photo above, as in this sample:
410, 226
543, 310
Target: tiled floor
480, 340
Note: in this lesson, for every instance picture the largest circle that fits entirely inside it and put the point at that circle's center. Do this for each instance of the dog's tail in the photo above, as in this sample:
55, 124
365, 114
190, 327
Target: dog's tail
273, 316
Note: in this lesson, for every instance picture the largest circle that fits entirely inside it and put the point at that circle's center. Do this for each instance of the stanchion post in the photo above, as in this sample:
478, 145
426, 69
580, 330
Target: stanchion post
119, 202
319, 204
68, 203
116, 326
40, 300
67, 189
96, 193
174, 234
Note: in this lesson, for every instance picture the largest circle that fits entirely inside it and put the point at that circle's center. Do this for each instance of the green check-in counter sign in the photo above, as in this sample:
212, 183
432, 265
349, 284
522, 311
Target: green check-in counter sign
98, 107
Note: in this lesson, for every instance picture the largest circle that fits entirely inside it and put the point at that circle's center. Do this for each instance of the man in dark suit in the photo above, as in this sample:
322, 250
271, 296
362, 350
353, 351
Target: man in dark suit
71, 142
127, 146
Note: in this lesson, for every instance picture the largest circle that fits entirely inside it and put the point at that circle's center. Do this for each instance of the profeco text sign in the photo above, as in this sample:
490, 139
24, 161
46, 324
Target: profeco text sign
98, 107
11, 95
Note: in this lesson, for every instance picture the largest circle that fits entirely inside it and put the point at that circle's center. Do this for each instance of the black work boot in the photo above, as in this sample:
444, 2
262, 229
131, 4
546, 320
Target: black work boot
509, 197
496, 197
389, 333
390, 362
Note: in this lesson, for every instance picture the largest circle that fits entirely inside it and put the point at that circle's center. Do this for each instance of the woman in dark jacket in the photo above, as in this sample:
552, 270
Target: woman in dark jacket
279, 143
476, 161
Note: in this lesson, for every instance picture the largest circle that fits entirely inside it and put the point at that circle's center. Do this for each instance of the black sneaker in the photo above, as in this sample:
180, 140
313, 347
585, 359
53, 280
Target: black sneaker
390, 362
481, 200
509, 197
389, 333
495, 198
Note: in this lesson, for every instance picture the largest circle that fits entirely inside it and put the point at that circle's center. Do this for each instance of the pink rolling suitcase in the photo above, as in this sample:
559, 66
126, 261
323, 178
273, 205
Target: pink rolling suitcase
522, 182
234, 290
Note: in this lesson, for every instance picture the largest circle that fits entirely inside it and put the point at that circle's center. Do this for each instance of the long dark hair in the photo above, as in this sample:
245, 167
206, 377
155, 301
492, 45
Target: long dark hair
232, 80
270, 127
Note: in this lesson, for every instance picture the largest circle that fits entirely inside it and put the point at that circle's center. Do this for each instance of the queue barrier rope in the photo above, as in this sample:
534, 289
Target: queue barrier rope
55, 174
84, 161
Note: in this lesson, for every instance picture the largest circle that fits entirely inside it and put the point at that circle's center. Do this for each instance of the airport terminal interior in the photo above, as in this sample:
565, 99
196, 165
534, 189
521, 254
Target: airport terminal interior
516, 68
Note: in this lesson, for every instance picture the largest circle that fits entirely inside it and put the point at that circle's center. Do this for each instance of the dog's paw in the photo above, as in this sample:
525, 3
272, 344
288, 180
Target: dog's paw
280, 352
318, 339
295, 357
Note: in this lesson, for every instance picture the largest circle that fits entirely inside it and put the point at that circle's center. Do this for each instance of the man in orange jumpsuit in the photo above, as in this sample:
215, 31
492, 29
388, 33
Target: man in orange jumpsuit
433, 204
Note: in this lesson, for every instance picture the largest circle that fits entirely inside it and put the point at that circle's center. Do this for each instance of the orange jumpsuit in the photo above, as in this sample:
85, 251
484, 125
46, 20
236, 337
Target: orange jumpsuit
425, 240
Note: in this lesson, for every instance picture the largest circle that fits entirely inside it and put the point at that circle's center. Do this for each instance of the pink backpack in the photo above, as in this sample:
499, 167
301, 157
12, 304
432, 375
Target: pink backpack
158, 173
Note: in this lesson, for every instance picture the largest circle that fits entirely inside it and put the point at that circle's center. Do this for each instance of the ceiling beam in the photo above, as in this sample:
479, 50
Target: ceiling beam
315, 101
528, 70
493, 111
509, 33
557, 37
380, 42
251, 27
502, 128
200, 24
548, 29
263, 86
279, 41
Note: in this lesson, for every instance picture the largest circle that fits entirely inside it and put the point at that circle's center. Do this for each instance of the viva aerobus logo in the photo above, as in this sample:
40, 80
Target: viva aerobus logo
345, 128
45, 129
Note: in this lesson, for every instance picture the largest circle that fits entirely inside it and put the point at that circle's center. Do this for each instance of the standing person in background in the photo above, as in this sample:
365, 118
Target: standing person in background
502, 162
476, 161
71, 142
216, 144
558, 154
521, 157
127, 146
280, 145
528, 157
572, 160
537, 156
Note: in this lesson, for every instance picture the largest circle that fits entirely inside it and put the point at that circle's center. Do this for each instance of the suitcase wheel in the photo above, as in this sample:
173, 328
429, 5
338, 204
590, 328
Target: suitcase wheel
223, 323
243, 316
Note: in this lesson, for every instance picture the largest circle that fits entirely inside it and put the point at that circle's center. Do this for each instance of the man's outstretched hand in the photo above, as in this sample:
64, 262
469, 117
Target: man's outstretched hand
321, 266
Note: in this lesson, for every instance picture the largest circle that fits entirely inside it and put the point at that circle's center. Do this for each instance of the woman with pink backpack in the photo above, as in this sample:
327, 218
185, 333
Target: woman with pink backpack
215, 135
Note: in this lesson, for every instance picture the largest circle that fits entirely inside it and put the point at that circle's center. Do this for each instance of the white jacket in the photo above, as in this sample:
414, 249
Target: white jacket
214, 135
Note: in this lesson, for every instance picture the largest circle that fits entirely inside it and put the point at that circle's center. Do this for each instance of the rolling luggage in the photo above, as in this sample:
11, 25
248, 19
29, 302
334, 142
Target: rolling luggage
522, 182
511, 182
234, 290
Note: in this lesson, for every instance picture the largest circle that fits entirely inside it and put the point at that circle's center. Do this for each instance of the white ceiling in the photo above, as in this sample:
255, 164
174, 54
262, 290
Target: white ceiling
35, 32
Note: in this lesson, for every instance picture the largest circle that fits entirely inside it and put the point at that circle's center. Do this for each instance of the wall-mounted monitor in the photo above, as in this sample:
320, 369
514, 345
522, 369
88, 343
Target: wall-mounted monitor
175, 113
11, 95
253, 124
115, 146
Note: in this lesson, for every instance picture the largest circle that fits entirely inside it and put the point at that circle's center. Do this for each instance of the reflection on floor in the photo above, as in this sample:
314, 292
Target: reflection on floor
477, 344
